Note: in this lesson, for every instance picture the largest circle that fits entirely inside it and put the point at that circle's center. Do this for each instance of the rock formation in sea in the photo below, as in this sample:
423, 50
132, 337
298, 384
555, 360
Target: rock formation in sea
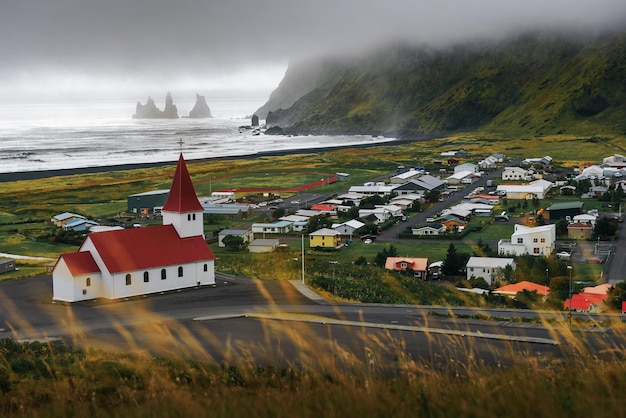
150, 111
255, 120
200, 109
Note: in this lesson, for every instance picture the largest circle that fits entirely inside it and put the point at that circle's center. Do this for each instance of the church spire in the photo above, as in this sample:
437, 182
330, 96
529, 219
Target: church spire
182, 197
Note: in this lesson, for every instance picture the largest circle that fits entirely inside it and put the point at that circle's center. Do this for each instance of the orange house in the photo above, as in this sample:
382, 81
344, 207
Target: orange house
417, 265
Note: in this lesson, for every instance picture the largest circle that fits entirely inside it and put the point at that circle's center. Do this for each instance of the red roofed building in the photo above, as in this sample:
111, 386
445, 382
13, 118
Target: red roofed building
129, 262
585, 302
513, 289
419, 266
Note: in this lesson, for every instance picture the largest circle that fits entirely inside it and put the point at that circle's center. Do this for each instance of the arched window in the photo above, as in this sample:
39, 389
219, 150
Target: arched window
180, 271
189, 216
194, 216
128, 280
146, 277
206, 268
88, 281
163, 274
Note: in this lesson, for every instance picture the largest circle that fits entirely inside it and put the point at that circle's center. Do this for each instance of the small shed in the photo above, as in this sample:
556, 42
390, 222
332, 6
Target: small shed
260, 245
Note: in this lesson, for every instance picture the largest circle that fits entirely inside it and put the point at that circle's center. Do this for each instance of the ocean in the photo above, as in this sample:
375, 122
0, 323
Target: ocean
53, 136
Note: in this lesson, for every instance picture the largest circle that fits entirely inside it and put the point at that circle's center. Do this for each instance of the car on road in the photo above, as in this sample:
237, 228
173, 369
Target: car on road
563, 255
367, 241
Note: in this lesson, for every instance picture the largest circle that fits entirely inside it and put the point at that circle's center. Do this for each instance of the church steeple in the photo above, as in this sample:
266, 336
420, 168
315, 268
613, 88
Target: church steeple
182, 208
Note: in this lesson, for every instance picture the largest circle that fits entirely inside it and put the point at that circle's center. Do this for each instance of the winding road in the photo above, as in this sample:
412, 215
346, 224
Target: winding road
245, 321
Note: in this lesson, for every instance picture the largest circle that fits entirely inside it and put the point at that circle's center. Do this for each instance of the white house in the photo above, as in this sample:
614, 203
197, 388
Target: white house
473, 168
515, 174
348, 228
63, 218
381, 214
489, 268
429, 229
261, 245
460, 177
278, 227
535, 189
129, 262
406, 176
245, 234
539, 240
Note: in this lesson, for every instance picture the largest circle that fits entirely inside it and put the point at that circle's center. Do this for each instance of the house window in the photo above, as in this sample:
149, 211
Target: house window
543, 240
128, 280
88, 281
163, 274
403, 265
536, 250
535, 240
180, 271
520, 240
193, 216
206, 268
146, 277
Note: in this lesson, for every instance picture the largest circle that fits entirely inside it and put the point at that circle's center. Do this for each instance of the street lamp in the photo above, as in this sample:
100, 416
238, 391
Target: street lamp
545, 287
570, 295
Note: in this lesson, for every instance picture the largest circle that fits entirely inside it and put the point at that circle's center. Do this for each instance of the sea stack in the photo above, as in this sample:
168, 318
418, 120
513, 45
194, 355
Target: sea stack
255, 120
150, 111
200, 109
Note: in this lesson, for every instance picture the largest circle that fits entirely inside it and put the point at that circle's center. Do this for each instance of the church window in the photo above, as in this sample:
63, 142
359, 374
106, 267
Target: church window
163, 274
189, 216
180, 271
206, 268
193, 216
88, 281
146, 277
128, 280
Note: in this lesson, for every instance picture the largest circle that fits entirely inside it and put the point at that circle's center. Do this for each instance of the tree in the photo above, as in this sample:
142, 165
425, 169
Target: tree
604, 229
381, 258
454, 263
232, 242
278, 213
361, 261
319, 222
353, 212
432, 195
371, 201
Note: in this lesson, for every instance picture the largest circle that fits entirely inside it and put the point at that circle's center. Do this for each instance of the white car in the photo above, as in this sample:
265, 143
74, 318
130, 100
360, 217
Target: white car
563, 255
367, 241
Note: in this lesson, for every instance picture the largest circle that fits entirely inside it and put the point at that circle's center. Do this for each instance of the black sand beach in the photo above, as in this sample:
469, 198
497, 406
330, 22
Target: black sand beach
42, 174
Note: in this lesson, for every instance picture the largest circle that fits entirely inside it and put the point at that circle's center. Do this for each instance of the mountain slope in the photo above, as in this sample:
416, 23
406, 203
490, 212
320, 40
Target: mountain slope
531, 85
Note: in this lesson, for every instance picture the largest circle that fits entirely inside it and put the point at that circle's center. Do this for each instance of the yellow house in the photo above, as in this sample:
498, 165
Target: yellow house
325, 238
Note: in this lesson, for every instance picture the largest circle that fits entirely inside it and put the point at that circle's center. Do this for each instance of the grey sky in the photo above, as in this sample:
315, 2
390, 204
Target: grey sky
152, 45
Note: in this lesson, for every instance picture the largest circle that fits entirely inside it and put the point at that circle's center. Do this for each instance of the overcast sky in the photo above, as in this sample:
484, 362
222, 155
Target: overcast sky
150, 46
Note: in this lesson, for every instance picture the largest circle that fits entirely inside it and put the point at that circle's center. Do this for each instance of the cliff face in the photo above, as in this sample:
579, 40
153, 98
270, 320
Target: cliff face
531, 85
151, 111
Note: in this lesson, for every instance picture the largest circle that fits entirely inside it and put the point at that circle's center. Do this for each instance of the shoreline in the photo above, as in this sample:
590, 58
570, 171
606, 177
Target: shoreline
43, 174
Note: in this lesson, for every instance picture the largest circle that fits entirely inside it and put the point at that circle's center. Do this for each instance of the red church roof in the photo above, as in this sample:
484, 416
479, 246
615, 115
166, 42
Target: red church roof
149, 247
182, 197
80, 263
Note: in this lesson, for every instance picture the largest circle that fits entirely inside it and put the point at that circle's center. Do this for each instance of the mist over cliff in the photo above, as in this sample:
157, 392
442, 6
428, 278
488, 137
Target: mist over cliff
536, 83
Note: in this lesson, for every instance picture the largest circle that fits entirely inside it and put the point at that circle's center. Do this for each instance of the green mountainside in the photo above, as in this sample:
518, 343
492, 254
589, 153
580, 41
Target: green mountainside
534, 84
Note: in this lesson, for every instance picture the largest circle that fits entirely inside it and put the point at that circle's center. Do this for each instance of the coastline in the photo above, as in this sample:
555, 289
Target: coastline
42, 174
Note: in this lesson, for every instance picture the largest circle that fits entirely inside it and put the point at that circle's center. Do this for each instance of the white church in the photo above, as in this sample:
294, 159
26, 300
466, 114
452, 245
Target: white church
129, 262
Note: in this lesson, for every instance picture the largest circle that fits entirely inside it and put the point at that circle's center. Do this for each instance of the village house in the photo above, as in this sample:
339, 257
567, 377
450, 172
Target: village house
514, 288
472, 168
515, 174
278, 227
429, 229
348, 228
79, 224
419, 266
534, 190
563, 210
489, 268
406, 176
579, 230
538, 241
129, 262
63, 218
420, 185
464, 177
263, 245
325, 238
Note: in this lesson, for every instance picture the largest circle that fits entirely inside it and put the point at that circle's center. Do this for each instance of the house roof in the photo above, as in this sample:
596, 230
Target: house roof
412, 263
182, 197
80, 263
566, 205
149, 247
66, 215
580, 225
491, 262
512, 289
324, 232
583, 301
234, 232
264, 242
601, 289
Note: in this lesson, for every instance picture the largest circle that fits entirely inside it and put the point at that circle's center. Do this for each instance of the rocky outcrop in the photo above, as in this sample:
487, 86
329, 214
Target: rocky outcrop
255, 120
200, 109
150, 111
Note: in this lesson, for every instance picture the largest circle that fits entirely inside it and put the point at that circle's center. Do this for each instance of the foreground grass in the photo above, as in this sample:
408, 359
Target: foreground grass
46, 381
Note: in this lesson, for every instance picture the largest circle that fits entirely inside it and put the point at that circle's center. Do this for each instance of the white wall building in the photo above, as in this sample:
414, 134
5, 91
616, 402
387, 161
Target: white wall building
539, 241
489, 268
129, 262
515, 174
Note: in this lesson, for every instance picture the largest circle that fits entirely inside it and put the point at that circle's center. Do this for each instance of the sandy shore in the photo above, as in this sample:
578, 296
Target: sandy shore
42, 174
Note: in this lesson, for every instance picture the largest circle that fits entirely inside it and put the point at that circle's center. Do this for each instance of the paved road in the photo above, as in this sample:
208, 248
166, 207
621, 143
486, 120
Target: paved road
243, 321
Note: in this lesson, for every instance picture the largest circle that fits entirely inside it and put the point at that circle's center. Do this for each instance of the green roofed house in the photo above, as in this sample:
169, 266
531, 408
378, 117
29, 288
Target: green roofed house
561, 210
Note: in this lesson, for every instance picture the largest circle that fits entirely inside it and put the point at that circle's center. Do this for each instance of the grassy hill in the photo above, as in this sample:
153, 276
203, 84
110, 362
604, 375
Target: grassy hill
532, 85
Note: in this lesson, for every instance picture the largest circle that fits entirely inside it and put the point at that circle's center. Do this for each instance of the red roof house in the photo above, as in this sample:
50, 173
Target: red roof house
513, 289
419, 266
585, 302
128, 262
